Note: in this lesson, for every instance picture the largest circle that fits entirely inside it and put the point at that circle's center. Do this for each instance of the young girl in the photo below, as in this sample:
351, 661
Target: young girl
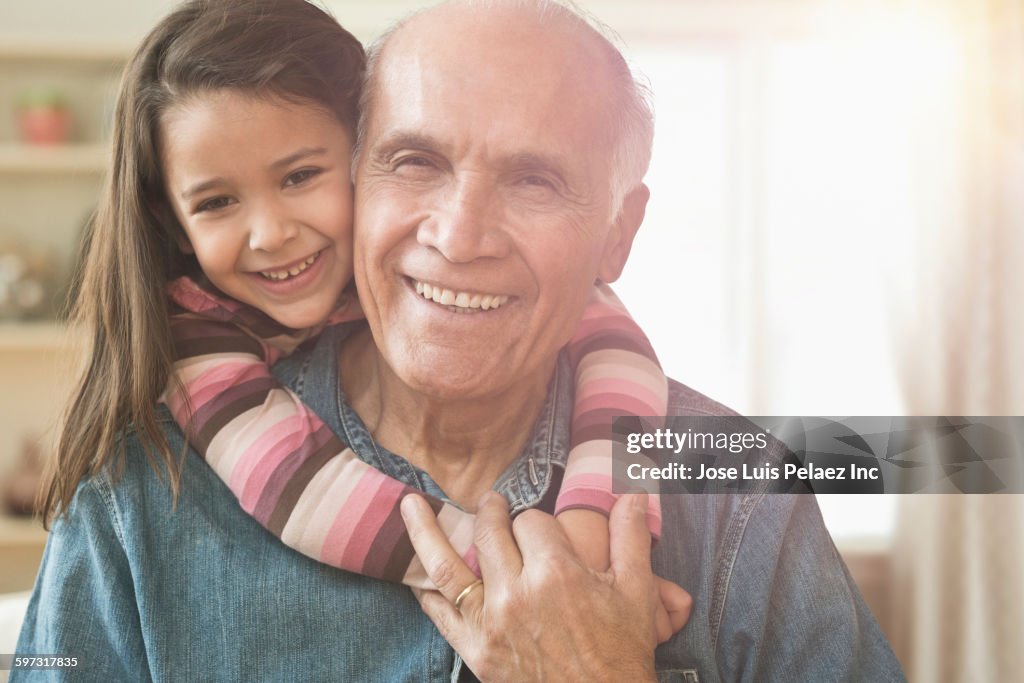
238, 205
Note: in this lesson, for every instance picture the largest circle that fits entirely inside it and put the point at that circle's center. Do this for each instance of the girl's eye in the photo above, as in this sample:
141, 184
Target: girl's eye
214, 204
301, 176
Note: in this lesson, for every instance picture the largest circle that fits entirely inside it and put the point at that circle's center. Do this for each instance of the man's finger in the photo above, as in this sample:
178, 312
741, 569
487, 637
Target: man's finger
496, 549
673, 610
443, 565
676, 601
541, 538
630, 542
446, 618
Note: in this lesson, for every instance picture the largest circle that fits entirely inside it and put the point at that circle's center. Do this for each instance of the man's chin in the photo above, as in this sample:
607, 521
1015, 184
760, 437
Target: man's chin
458, 385
449, 375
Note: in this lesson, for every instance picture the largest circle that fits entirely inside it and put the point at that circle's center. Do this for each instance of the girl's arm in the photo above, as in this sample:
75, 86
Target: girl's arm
308, 488
617, 375
285, 466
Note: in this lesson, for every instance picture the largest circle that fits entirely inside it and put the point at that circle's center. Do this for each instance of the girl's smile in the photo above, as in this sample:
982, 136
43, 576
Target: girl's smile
293, 278
270, 221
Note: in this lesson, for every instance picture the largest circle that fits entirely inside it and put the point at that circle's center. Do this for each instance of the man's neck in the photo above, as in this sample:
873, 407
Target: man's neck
463, 444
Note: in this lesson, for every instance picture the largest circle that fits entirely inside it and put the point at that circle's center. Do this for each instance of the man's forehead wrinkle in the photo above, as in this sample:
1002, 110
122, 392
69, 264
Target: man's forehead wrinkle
540, 78
555, 40
415, 80
524, 66
461, 25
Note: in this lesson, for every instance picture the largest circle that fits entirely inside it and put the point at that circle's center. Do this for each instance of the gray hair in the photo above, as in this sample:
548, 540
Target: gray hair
632, 111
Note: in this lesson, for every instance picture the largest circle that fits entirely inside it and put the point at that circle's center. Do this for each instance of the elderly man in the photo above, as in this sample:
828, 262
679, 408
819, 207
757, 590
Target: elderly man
501, 154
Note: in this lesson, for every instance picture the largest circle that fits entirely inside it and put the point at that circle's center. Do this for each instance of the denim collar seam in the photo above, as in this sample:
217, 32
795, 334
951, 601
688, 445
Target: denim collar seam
730, 549
106, 494
541, 455
393, 466
350, 423
300, 380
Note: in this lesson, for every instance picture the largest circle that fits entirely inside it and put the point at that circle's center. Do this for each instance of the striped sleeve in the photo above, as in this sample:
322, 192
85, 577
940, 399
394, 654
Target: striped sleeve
284, 465
303, 483
617, 375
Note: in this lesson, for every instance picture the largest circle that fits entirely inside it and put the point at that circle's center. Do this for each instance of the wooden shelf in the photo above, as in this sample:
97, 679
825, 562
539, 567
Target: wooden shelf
22, 541
77, 54
21, 531
86, 158
33, 336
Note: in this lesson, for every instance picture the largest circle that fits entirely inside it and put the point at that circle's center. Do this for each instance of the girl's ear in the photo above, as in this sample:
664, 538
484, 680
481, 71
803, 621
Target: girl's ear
170, 223
182, 241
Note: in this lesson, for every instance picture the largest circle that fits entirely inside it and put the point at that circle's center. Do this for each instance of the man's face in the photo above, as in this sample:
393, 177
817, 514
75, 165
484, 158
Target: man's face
482, 204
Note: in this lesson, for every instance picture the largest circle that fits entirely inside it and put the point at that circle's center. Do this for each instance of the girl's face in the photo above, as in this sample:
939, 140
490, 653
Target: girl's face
262, 188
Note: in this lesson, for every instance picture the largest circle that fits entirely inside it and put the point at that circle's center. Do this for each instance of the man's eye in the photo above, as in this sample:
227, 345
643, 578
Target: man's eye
537, 181
214, 204
414, 161
301, 176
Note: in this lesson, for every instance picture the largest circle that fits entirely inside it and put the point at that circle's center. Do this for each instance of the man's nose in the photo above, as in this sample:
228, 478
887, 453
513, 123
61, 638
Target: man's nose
466, 224
270, 228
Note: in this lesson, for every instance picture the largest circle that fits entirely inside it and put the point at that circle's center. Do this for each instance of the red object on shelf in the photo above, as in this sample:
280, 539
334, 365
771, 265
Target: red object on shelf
44, 125
19, 493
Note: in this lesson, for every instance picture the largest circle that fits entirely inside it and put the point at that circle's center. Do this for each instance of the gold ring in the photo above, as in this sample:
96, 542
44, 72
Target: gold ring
465, 592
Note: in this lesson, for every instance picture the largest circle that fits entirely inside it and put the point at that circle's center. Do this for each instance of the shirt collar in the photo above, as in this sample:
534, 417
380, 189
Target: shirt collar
524, 483
529, 477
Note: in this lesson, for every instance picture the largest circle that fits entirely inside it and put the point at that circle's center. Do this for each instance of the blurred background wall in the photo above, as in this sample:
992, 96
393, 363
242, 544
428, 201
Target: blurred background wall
835, 228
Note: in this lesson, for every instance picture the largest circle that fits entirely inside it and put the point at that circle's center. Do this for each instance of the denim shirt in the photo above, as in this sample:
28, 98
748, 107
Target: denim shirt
139, 589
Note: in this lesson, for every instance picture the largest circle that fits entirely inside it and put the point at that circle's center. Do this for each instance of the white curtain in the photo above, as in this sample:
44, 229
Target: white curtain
958, 593
959, 560
836, 227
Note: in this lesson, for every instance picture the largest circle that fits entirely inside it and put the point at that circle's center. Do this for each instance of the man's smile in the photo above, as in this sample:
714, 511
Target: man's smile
459, 301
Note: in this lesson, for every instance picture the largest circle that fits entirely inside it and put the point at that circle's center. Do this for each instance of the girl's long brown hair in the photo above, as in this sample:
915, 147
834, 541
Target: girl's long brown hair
131, 249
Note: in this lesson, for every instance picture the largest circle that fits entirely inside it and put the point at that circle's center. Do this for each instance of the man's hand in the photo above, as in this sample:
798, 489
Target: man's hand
541, 614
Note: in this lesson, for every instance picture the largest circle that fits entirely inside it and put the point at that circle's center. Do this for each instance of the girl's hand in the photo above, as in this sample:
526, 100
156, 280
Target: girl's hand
588, 532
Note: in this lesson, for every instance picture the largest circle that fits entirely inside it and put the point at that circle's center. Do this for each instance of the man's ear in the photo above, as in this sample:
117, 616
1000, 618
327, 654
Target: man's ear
623, 230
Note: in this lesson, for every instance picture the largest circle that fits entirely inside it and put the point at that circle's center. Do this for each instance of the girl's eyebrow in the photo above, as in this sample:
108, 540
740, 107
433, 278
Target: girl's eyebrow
280, 163
298, 154
202, 187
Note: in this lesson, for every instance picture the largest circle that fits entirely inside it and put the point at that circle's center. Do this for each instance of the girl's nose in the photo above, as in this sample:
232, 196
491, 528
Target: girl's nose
270, 232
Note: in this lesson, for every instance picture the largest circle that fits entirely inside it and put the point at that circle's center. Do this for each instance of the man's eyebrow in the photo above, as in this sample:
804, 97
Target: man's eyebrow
522, 161
528, 161
404, 140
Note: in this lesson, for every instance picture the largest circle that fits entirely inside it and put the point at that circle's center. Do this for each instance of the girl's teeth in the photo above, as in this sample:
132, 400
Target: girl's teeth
461, 302
292, 272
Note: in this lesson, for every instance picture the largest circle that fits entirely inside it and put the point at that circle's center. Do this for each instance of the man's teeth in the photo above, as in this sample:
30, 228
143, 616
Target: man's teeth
291, 272
459, 300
